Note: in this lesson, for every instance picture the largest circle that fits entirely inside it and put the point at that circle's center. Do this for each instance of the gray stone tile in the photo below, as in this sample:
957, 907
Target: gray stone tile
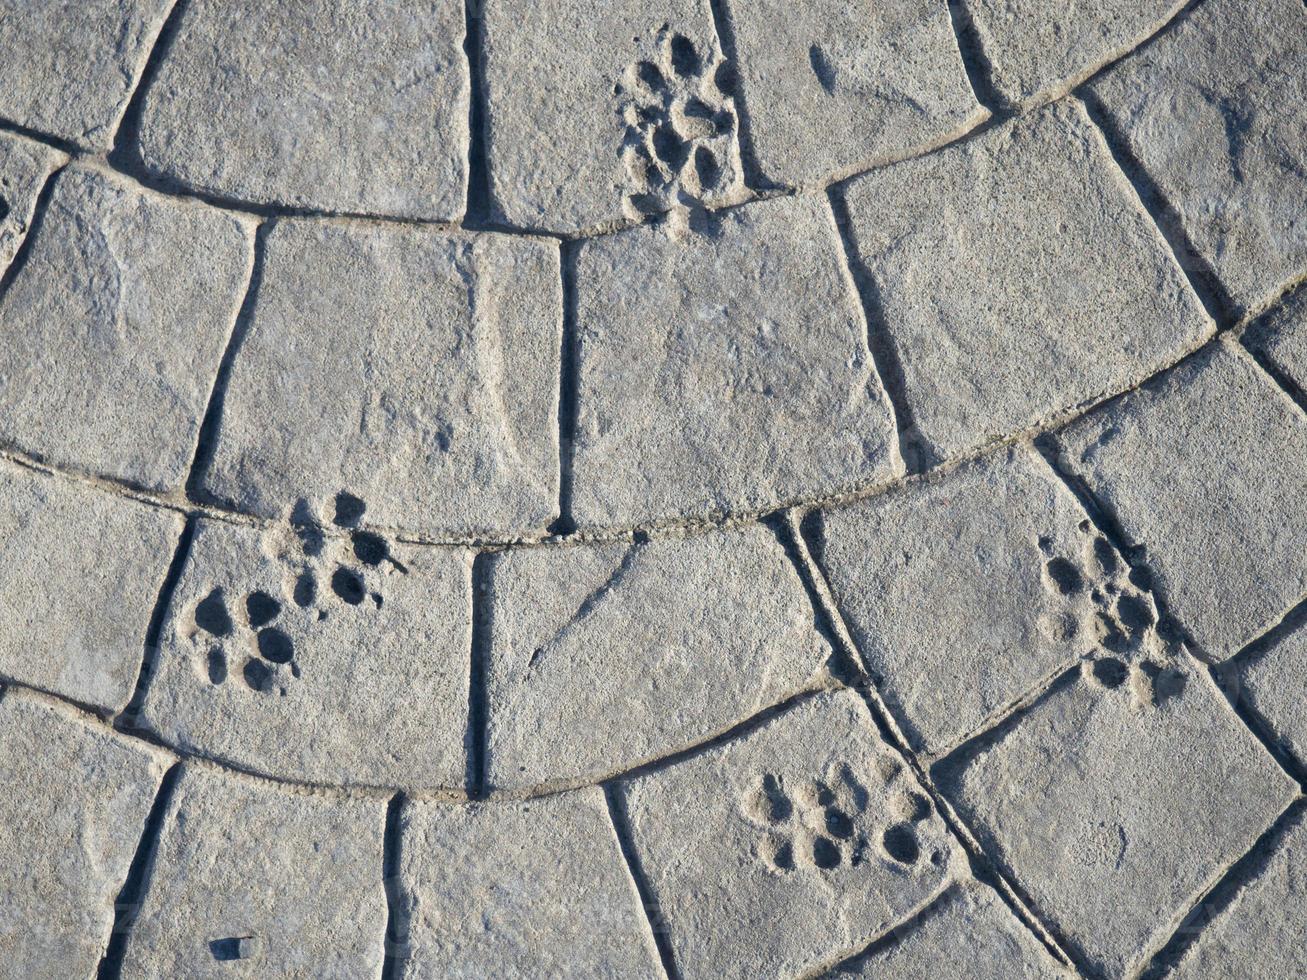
519, 889
1272, 679
963, 593
833, 87
728, 371
1216, 113
356, 106
609, 656
615, 117
80, 571
69, 67
414, 368
254, 879
290, 656
25, 166
968, 933
1029, 280
1117, 800
1279, 339
1206, 469
1263, 933
111, 334
1040, 49
790, 847
74, 806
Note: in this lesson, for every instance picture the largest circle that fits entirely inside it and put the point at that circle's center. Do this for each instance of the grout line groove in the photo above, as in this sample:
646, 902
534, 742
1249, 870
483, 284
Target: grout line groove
724, 27
1217, 897
621, 824
210, 424
397, 947
150, 655
477, 210
477, 739
125, 153
975, 62
568, 391
128, 903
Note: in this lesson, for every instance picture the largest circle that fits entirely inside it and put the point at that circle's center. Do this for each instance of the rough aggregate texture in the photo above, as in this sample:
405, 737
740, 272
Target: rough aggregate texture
972, 278
358, 106
69, 67
283, 883
1216, 114
75, 798
659, 488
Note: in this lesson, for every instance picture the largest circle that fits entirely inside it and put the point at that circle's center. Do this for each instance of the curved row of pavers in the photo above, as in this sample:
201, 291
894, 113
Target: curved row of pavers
726, 370
365, 107
346, 659
243, 873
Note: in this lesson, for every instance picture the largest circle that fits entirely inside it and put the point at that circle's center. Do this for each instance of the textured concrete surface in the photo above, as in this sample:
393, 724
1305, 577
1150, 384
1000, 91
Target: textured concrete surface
693, 488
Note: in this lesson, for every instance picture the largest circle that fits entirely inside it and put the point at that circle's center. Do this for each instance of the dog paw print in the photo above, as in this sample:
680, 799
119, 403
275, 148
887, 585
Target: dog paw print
823, 824
254, 629
319, 572
1108, 605
678, 149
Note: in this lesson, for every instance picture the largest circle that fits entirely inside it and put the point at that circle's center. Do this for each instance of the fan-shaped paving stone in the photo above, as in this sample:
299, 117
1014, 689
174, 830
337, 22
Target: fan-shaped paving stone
729, 371
1279, 339
605, 657
25, 166
287, 882
969, 933
1216, 113
964, 592
831, 87
307, 663
1117, 799
1271, 677
530, 889
559, 80
69, 67
340, 105
1039, 49
80, 570
1263, 933
808, 836
416, 369
1171, 461
111, 333
1027, 282
75, 799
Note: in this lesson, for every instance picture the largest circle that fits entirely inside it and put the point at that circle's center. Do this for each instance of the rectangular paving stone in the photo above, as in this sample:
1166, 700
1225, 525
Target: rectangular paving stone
295, 656
519, 889
1263, 933
111, 334
968, 933
1038, 50
604, 657
68, 67
413, 368
725, 372
1279, 339
74, 807
80, 571
626, 111
789, 847
257, 880
1206, 469
1116, 800
25, 166
833, 87
356, 106
1271, 677
964, 593
1029, 281
1216, 114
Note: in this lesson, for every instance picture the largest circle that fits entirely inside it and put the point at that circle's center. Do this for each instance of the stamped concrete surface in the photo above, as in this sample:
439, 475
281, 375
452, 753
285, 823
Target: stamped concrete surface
675, 489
